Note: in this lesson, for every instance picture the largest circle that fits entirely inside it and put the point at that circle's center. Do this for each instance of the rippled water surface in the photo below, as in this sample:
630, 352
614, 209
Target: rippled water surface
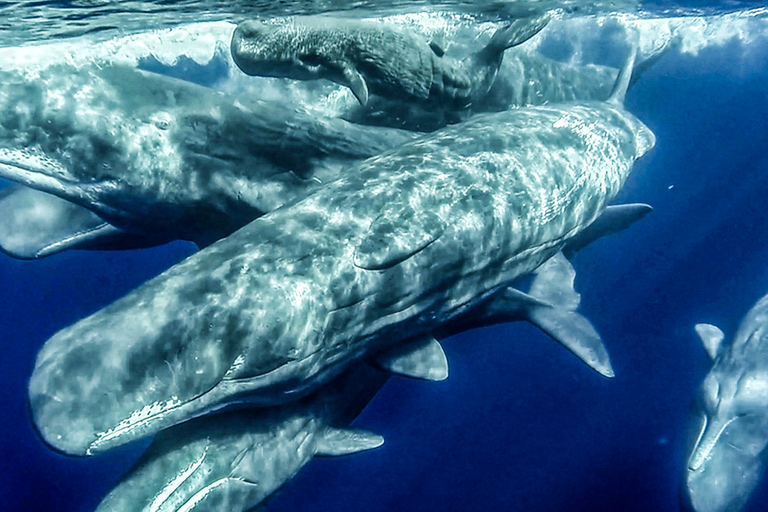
22, 22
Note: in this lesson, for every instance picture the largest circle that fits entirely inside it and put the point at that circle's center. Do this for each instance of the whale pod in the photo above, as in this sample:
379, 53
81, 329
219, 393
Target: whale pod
275, 310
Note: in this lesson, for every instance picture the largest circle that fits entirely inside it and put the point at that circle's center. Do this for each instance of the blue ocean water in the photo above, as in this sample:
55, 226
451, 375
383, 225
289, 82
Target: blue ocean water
520, 425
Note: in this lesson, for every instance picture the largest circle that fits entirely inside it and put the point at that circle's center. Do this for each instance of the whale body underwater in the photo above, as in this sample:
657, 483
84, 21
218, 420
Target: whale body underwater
111, 157
730, 417
375, 58
235, 460
371, 265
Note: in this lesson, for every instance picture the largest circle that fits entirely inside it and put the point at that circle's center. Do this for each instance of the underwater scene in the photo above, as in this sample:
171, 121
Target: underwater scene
383, 255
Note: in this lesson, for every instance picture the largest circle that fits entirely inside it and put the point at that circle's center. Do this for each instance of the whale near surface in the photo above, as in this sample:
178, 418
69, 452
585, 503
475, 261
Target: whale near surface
730, 417
114, 157
378, 58
378, 260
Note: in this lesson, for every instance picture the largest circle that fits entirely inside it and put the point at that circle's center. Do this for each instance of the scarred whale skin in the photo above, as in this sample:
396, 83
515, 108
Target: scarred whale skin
730, 419
400, 245
141, 159
374, 58
235, 460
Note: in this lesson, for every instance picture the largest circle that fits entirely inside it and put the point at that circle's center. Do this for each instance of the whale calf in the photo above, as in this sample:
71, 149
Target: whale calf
374, 58
372, 265
138, 159
731, 417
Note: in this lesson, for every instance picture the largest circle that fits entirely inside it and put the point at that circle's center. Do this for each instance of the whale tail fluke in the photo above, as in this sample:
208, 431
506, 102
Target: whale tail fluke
514, 34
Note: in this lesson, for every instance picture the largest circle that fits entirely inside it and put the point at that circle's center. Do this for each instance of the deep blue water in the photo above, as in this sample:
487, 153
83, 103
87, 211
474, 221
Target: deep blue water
521, 424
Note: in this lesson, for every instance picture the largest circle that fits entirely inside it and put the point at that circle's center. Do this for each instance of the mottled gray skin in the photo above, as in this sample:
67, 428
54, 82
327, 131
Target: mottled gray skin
731, 417
526, 78
400, 245
236, 460
163, 159
380, 58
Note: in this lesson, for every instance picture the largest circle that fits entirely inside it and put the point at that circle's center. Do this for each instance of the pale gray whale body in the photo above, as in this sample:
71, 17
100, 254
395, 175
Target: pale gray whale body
374, 58
730, 417
137, 159
235, 460
371, 265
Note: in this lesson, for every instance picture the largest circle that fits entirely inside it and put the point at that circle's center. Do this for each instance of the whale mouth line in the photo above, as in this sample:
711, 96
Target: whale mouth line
203, 403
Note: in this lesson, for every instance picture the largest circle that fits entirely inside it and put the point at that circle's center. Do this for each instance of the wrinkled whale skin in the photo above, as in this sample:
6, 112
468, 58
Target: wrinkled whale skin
161, 159
398, 246
374, 58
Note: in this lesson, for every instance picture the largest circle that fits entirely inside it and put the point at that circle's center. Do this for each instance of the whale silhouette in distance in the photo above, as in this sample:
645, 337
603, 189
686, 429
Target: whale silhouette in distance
370, 266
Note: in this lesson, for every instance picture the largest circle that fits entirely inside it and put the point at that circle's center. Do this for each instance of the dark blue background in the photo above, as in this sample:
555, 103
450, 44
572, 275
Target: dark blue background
521, 424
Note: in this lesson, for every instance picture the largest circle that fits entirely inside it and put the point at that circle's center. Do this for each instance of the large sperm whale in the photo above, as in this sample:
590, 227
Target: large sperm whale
236, 460
374, 58
728, 456
372, 265
114, 157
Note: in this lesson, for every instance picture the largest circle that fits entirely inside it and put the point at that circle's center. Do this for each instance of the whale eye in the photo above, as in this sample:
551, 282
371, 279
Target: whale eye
311, 59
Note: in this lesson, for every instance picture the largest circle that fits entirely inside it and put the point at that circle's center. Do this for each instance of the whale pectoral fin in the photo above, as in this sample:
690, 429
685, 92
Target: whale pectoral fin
712, 339
613, 219
393, 238
551, 306
356, 83
36, 225
344, 441
421, 359
514, 34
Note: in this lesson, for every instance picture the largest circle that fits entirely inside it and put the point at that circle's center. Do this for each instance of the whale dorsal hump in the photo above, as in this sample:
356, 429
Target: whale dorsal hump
421, 359
712, 339
394, 237
357, 84
334, 442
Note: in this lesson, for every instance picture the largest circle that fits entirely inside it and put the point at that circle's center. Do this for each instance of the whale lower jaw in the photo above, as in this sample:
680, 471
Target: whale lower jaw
160, 415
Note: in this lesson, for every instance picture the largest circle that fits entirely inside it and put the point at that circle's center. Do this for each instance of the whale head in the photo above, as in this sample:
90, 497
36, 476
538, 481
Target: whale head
730, 434
280, 51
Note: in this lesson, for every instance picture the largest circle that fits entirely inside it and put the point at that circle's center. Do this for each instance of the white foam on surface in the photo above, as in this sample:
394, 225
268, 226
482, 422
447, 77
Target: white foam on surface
197, 41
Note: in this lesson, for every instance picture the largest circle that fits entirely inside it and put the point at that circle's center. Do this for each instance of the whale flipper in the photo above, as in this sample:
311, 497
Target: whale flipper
36, 225
514, 34
345, 441
421, 359
712, 339
392, 239
614, 219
